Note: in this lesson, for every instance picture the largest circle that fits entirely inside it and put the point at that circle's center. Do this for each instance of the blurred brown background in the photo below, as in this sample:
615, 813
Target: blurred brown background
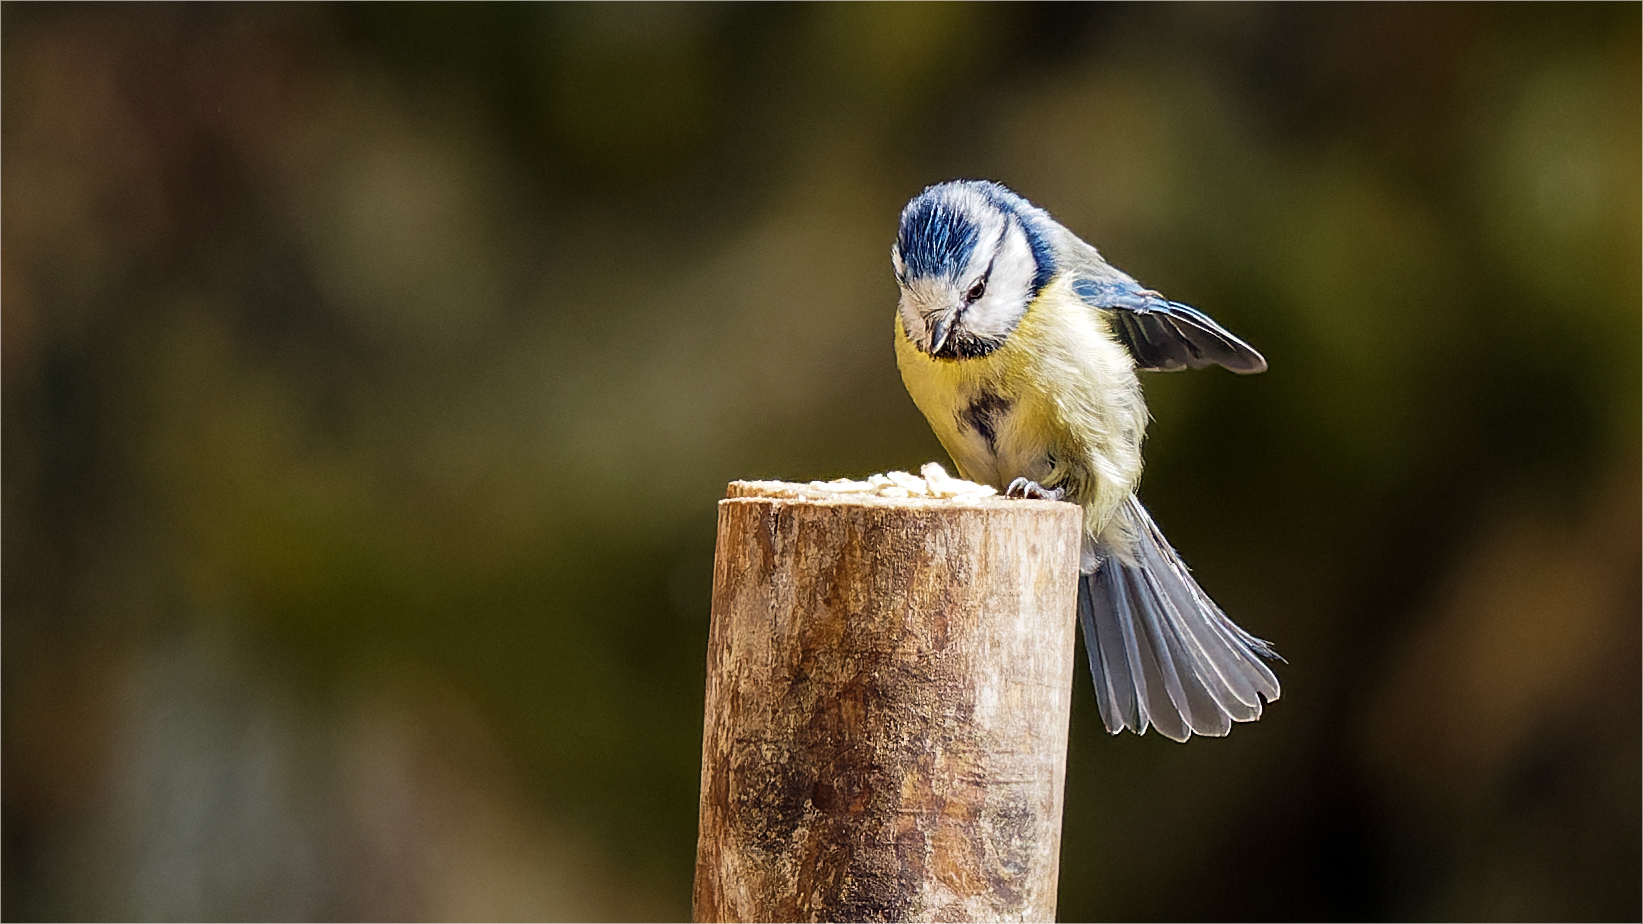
370, 374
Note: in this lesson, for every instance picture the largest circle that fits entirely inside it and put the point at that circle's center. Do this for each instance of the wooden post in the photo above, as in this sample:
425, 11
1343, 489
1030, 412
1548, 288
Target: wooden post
888, 684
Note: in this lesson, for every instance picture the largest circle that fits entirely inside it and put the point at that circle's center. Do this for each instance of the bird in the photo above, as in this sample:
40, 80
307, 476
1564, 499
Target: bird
1020, 345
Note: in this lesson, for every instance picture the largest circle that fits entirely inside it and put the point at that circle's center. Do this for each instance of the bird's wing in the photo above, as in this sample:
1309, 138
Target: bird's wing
1166, 336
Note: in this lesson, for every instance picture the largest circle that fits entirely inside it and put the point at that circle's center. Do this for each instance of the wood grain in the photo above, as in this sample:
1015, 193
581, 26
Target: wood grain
887, 699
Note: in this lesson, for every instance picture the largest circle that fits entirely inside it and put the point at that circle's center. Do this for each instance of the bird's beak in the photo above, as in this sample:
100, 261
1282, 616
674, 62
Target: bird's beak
940, 326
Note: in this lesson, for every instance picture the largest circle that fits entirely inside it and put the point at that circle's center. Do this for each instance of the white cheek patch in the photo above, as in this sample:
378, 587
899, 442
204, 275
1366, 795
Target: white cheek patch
1008, 289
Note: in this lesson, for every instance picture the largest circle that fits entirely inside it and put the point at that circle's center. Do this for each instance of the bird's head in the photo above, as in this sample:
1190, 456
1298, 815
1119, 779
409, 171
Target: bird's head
970, 257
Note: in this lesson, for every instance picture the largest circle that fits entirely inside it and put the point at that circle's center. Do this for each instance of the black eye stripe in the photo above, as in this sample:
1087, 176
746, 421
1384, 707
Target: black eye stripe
979, 288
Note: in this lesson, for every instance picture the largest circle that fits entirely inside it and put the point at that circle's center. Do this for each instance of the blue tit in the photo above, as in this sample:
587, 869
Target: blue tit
1020, 345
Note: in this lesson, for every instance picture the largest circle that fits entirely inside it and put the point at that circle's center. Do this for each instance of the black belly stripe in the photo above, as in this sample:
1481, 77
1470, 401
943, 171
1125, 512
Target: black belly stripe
983, 416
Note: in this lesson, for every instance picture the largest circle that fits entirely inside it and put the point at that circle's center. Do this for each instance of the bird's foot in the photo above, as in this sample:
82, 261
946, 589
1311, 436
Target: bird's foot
1032, 490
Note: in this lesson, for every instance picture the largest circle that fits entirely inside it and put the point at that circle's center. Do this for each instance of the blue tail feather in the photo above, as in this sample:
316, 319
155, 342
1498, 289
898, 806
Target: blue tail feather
1161, 652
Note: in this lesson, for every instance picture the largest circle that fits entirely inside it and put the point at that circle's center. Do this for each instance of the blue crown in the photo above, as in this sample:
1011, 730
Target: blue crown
938, 236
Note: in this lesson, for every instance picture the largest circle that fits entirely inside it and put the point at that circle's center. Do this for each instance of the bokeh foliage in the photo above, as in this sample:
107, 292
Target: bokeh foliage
371, 371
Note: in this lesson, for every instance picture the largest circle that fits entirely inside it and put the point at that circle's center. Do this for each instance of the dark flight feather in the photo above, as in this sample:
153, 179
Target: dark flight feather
1166, 336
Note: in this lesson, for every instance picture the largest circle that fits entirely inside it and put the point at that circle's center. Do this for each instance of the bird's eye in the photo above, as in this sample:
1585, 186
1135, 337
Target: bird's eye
976, 291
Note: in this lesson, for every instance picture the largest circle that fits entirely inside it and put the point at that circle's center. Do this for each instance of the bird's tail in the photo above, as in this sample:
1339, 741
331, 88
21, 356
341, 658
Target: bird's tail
1161, 651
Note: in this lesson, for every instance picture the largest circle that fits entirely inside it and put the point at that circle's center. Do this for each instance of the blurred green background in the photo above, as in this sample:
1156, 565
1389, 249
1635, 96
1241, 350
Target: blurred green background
371, 372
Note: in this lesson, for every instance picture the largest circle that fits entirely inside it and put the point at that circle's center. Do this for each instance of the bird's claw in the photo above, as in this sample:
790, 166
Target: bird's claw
1032, 490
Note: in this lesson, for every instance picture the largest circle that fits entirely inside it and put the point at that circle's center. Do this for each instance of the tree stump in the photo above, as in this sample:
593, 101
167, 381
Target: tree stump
888, 686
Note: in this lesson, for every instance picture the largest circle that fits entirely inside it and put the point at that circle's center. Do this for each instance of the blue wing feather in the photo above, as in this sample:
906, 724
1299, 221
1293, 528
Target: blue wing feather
1166, 336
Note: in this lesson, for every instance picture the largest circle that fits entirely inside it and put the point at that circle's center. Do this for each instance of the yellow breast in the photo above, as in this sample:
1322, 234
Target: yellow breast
1057, 403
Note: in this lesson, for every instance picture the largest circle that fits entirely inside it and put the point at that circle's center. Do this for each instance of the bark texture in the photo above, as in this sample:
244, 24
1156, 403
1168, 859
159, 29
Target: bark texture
888, 685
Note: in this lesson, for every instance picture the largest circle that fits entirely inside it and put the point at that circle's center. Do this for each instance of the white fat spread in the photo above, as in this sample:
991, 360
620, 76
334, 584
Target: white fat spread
931, 481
